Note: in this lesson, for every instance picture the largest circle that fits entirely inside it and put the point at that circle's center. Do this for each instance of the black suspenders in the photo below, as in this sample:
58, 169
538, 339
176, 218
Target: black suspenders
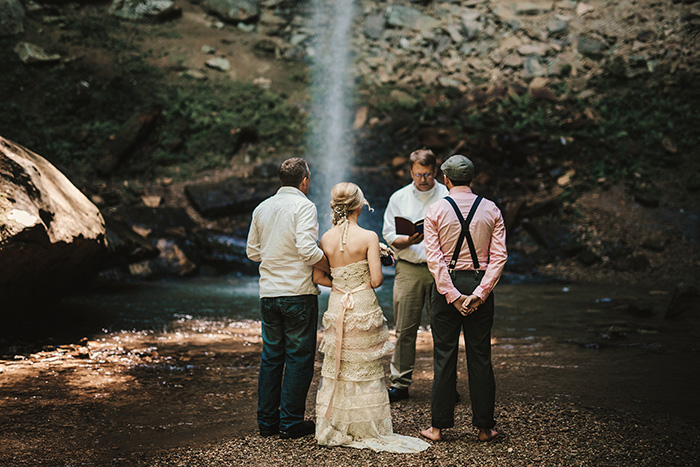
464, 234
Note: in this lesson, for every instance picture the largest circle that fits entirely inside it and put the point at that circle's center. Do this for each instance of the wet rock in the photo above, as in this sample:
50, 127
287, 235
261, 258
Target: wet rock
472, 29
407, 17
194, 74
223, 251
591, 46
230, 196
558, 67
635, 262
272, 21
374, 26
267, 46
530, 8
553, 236
144, 10
512, 61
566, 5
130, 136
33, 54
50, 233
646, 197
158, 222
454, 34
685, 299
557, 28
655, 242
297, 54
234, 11
151, 242
11, 17
533, 49
618, 250
125, 245
533, 67
171, 261
219, 64
448, 82
583, 8
504, 13
588, 258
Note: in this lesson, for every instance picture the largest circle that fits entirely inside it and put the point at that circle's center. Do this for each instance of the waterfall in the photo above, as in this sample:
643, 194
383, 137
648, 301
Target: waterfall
330, 145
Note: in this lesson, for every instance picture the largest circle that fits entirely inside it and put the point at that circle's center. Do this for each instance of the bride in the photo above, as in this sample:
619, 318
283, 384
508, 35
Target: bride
352, 403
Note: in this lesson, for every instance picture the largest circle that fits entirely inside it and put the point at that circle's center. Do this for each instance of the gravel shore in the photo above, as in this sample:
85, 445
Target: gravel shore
579, 383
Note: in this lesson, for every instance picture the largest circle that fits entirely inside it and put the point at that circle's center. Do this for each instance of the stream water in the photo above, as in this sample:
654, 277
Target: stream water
147, 366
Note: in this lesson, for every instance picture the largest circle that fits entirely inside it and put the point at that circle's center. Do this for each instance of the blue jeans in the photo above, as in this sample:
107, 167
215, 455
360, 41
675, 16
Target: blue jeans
287, 365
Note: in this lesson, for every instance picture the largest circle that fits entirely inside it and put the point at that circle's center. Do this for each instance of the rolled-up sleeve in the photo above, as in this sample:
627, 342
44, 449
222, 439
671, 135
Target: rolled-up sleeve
498, 255
307, 235
437, 263
253, 248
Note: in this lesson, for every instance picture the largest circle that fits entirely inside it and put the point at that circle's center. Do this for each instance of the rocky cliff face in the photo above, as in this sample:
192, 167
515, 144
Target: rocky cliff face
51, 235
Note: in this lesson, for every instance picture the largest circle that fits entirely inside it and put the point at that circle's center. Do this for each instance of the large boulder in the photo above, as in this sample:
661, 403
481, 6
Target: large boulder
30, 54
144, 10
407, 17
51, 235
11, 17
234, 11
230, 196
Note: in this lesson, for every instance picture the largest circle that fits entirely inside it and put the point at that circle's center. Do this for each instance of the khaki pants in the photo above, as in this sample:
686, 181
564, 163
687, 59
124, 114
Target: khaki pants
412, 286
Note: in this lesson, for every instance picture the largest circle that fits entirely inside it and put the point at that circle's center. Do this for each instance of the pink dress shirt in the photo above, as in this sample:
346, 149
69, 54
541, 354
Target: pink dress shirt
442, 229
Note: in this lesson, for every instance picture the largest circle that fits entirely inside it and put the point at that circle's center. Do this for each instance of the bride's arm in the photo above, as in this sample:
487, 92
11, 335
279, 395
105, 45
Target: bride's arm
321, 278
321, 274
375, 264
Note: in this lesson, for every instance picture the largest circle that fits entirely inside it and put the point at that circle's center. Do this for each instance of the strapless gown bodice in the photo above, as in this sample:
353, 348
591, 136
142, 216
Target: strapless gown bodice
351, 276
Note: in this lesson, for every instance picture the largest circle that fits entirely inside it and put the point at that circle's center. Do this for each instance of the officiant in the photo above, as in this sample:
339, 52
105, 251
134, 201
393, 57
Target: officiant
412, 282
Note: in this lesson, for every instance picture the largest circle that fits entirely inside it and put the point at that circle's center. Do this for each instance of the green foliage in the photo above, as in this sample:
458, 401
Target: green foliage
69, 113
205, 118
617, 136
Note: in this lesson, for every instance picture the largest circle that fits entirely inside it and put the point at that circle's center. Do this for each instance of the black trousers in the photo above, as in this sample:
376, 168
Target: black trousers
446, 324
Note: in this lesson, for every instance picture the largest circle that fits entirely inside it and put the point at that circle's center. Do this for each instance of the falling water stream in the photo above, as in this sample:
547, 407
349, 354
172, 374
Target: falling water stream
330, 140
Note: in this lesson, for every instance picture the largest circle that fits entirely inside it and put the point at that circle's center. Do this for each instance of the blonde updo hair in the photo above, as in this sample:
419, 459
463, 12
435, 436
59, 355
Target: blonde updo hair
345, 198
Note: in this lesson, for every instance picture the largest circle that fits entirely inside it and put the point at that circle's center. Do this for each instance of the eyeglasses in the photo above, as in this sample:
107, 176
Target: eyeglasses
423, 176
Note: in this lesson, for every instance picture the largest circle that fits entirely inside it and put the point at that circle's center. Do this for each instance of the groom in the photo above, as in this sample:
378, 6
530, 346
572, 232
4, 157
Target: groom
462, 296
283, 238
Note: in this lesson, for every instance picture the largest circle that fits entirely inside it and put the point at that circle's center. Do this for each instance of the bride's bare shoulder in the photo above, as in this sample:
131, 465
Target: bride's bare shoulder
328, 235
369, 235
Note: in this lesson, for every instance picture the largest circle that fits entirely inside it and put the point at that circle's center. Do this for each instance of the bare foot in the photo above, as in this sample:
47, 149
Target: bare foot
487, 434
432, 434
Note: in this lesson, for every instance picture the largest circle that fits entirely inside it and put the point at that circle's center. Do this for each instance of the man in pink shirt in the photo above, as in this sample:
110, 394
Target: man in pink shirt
466, 264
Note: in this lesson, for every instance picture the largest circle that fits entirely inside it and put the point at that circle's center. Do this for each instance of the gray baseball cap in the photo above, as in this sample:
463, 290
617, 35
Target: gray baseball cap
458, 168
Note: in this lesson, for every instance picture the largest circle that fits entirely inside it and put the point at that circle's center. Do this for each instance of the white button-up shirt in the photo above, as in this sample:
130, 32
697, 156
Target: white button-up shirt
411, 203
283, 238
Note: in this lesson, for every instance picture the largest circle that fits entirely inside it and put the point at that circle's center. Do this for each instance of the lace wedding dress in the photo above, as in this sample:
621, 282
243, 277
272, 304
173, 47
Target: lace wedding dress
352, 403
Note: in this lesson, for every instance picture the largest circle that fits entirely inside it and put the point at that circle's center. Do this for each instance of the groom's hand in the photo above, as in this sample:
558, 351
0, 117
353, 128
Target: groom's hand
470, 305
459, 303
